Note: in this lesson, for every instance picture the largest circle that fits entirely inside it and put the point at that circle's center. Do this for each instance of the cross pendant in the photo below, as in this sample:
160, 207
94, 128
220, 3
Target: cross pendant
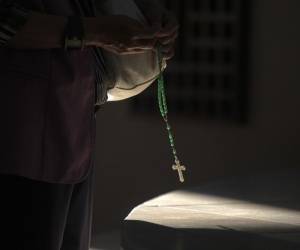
179, 168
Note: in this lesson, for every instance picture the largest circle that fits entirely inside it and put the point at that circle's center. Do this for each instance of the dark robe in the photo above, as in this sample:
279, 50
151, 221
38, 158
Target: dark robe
47, 130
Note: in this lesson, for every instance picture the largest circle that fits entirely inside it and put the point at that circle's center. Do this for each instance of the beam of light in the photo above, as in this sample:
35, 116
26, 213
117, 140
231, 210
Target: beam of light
202, 211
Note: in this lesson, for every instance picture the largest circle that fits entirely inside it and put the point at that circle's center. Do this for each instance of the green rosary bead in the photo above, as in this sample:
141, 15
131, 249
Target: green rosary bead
163, 108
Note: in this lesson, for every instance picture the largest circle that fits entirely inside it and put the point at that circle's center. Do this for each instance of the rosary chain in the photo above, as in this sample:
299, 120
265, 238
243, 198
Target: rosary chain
162, 101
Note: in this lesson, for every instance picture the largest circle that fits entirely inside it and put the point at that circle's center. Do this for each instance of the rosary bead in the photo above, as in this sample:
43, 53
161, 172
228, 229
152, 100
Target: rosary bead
163, 107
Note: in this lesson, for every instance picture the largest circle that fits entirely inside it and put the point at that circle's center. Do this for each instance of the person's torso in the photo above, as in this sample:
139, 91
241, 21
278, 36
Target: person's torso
47, 105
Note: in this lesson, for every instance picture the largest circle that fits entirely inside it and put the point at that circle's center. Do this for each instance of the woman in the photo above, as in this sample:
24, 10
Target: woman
49, 84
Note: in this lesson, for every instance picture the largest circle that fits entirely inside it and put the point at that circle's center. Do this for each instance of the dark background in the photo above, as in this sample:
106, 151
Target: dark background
133, 156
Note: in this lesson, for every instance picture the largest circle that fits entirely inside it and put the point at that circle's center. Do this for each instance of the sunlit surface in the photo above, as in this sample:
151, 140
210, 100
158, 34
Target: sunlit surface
110, 98
188, 210
259, 212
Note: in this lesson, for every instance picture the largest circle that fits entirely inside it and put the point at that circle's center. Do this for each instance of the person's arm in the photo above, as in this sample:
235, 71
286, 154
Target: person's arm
24, 29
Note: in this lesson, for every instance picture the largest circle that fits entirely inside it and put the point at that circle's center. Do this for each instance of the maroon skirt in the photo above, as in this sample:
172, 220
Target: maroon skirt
37, 215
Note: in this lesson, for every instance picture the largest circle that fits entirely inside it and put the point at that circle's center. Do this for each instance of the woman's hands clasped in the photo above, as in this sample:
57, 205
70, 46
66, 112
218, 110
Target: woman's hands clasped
120, 34
124, 35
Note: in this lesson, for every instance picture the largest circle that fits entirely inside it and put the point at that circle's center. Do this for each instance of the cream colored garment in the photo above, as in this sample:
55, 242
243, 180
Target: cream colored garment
128, 75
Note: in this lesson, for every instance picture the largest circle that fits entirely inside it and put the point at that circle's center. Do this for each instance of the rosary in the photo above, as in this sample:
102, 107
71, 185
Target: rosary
162, 101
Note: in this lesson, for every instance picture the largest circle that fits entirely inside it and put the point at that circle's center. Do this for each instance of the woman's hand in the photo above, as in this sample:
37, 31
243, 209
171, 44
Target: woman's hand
163, 20
120, 34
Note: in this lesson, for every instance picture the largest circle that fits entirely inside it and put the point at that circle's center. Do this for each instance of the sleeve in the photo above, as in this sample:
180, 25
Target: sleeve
12, 17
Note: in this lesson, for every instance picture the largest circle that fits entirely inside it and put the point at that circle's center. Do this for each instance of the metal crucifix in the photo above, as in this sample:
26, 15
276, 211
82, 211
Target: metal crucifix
179, 168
